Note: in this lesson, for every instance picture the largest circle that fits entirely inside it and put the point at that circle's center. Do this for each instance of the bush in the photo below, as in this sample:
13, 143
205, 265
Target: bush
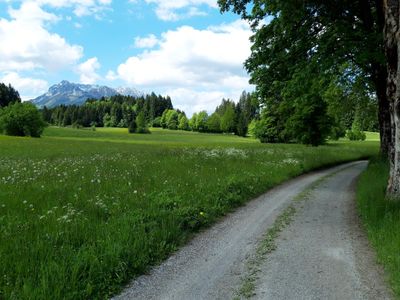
157, 122
76, 125
132, 127
337, 132
21, 119
267, 131
144, 130
356, 135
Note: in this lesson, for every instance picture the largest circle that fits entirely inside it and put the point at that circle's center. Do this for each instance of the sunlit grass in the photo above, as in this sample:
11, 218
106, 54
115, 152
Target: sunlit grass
381, 218
83, 211
372, 136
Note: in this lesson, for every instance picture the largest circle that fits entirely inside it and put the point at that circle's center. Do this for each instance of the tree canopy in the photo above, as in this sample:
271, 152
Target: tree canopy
300, 47
8, 95
21, 119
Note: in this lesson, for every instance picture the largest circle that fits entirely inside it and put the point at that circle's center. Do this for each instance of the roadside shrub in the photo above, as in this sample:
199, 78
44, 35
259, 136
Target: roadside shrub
21, 119
192, 218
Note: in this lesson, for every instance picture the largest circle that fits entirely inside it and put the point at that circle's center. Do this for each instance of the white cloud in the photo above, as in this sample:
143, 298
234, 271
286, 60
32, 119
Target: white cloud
26, 44
173, 10
195, 66
147, 42
28, 88
87, 71
187, 56
111, 76
80, 7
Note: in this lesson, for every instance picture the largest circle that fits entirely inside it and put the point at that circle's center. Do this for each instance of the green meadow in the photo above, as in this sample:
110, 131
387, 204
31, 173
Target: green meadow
82, 211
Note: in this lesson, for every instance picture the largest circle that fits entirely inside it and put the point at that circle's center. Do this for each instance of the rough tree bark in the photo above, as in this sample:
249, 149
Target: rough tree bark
379, 72
392, 49
379, 79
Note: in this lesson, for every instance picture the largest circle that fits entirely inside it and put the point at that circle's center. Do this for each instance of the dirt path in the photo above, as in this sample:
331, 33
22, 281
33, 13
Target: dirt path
321, 255
324, 253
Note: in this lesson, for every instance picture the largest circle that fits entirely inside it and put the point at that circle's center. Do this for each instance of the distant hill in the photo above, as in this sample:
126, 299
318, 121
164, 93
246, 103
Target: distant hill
69, 93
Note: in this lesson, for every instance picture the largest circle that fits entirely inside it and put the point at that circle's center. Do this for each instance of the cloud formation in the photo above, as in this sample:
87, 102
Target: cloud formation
146, 42
30, 86
87, 71
173, 10
26, 44
80, 7
203, 64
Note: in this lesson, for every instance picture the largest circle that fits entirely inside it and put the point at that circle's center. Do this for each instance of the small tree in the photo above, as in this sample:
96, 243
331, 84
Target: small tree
163, 121
228, 120
252, 128
21, 119
157, 122
141, 124
201, 121
172, 119
132, 127
214, 123
183, 123
193, 122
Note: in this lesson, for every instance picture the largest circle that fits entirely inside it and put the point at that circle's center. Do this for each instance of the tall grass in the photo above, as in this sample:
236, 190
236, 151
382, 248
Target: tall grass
81, 212
381, 218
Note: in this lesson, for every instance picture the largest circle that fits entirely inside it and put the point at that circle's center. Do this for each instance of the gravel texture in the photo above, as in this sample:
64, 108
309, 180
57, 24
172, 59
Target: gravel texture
322, 255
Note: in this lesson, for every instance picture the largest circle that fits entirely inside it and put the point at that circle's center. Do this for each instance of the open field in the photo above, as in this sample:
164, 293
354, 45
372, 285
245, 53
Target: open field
82, 211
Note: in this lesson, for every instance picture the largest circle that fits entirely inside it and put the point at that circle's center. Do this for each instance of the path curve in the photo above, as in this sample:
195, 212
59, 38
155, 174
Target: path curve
212, 265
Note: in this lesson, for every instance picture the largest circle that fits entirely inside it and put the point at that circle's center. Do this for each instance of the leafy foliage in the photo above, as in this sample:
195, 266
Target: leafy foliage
21, 119
8, 95
304, 46
214, 123
132, 126
141, 124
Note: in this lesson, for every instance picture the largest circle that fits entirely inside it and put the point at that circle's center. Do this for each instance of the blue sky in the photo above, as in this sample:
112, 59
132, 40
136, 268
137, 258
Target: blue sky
183, 48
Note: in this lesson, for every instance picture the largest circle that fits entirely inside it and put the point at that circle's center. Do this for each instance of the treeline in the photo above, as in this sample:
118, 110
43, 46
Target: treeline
342, 109
228, 117
116, 111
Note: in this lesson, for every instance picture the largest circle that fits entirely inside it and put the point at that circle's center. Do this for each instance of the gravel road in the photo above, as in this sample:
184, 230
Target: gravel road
323, 254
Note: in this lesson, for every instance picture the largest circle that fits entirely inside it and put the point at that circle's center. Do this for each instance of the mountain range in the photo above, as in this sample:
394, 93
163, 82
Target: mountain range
69, 93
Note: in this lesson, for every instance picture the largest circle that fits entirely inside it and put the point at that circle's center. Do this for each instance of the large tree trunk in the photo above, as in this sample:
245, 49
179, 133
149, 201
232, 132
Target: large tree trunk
392, 49
379, 72
380, 79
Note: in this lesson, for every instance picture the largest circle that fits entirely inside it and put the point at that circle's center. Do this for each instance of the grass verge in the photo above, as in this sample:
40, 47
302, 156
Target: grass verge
381, 218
